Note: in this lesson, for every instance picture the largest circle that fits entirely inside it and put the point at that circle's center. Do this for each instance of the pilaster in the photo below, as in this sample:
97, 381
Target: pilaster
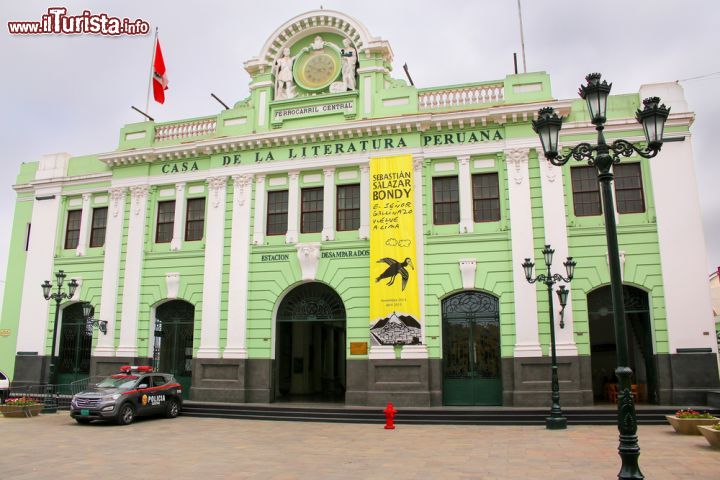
364, 232
178, 220
527, 342
212, 286
239, 258
328, 232
259, 224
293, 207
466, 196
84, 225
111, 271
553, 197
133, 270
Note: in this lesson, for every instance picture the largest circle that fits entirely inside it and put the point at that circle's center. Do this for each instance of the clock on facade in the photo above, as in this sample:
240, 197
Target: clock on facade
317, 69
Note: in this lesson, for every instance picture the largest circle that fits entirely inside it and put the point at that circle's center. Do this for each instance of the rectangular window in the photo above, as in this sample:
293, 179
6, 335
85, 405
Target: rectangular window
311, 217
195, 219
99, 223
486, 197
277, 212
446, 201
165, 222
628, 188
348, 207
586, 191
72, 230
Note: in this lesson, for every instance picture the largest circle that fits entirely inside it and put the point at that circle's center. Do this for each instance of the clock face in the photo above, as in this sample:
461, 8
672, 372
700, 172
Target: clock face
317, 70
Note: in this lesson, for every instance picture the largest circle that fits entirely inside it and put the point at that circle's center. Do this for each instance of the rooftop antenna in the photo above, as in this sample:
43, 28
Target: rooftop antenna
219, 101
407, 73
522, 37
142, 113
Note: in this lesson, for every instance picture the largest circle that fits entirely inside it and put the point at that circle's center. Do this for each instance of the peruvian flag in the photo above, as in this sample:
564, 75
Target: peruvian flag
159, 80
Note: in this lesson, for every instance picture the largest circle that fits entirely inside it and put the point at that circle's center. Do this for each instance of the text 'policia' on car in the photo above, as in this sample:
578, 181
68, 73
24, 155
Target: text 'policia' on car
135, 391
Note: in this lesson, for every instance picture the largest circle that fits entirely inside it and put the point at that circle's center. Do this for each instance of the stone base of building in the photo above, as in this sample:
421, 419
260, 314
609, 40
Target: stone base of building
232, 380
527, 381
31, 370
405, 383
684, 379
104, 366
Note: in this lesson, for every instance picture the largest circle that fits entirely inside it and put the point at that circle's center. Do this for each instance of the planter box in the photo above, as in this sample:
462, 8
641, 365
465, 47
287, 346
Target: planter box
689, 426
20, 411
712, 435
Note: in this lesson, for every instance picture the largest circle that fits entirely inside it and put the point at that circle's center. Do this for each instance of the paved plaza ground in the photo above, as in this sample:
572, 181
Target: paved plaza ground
54, 446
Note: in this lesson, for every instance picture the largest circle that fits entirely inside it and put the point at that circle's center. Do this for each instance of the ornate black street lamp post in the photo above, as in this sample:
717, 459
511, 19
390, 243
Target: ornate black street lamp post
556, 420
603, 156
58, 296
91, 321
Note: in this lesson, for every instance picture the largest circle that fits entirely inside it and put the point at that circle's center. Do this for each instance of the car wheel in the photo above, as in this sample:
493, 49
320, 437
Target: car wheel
126, 415
173, 408
83, 421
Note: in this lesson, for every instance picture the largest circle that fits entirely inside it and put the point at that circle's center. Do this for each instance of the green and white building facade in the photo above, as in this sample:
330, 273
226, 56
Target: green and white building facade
232, 250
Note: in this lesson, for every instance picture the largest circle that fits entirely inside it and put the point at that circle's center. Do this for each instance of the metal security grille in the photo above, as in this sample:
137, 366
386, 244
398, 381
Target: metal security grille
74, 346
174, 329
311, 302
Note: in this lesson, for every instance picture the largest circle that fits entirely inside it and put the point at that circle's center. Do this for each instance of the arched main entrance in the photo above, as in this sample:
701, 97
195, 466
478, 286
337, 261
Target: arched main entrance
173, 348
640, 344
74, 346
310, 349
471, 349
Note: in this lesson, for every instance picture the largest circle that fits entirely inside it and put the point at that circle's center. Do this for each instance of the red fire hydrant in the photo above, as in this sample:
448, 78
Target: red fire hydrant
390, 417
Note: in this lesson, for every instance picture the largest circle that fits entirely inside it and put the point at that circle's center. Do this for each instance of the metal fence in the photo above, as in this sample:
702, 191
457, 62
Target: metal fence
53, 397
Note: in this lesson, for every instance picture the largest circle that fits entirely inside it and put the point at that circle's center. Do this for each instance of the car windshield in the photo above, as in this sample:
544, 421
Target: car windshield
123, 382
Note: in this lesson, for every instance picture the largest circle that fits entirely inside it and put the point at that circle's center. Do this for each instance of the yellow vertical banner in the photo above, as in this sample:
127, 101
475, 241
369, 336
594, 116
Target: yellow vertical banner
394, 303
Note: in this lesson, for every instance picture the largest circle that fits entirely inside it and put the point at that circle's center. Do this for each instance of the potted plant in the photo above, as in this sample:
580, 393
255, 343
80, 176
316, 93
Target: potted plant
688, 421
20, 407
711, 434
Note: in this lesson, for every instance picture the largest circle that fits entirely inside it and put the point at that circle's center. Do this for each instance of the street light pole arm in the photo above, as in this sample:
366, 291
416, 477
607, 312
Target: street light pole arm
581, 151
557, 278
624, 148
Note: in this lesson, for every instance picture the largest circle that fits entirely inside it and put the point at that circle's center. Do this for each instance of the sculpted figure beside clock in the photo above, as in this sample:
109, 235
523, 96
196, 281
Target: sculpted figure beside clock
349, 63
284, 84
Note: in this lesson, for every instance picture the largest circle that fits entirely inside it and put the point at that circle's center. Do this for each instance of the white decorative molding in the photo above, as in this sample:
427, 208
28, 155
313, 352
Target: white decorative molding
418, 166
309, 257
367, 94
328, 231
172, 284
413, 352
117, 200
242, 183
195, 189
484, 163
138, 195
312, 178
100, 200
468, 267
262, 106
527, 88
277, 181
394, 102
467, 220
75, 202
551, 171
217, 186
518, 159
178, 223
293, 207
364, 231
444, 167
84, 225
348, 175
135, 135
381, 352
231, 122
167, 192
259, 224
622, 263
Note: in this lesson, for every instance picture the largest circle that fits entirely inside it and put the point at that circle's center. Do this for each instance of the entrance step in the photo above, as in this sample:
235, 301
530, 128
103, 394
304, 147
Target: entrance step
654, 415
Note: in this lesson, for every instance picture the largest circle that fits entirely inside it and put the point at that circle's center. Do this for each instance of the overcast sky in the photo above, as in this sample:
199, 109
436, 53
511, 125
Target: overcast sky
73, 93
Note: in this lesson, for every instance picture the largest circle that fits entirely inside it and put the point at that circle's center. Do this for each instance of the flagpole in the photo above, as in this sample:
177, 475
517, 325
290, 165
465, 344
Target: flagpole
152, 67
522, 37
